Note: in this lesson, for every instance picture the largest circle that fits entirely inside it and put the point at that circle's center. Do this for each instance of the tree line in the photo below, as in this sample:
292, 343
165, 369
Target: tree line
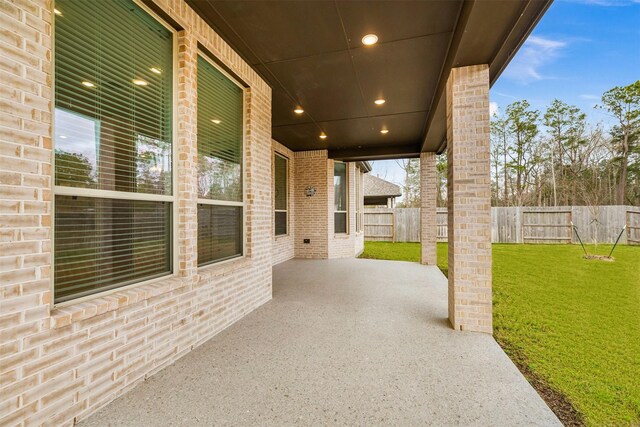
556, 157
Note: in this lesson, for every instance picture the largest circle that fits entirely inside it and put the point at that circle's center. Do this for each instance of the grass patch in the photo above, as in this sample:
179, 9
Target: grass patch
392, 251
572, 323
402, 252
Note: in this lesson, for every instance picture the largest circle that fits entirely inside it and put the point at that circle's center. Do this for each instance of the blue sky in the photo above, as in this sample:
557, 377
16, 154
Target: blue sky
579, 50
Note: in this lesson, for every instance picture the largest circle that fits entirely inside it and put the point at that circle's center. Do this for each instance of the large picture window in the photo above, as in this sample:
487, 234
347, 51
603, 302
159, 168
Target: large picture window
220, 157
113, 147
359, 200
281, 196
340, 195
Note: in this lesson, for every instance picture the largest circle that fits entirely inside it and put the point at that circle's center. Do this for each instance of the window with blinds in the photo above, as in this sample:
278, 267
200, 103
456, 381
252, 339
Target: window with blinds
340, 195
358, 200
281, 196
113, 147
220, 157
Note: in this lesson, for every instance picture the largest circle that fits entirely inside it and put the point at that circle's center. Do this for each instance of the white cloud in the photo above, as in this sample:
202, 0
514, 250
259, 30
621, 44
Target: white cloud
504, 95
494, 110
545, 44
590, 97
536, 53
606, 3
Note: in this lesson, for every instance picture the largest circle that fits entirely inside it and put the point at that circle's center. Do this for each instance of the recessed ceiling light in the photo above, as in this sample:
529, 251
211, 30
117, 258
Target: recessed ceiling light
88, 84
369, 39
323, 135
57, 12
298, 110
216, 121
155, 70
379, 101
139, 82
384, 131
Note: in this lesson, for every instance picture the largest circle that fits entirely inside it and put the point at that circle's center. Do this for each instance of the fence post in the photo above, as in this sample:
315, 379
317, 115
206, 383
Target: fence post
571, 228
627, 222
393, 226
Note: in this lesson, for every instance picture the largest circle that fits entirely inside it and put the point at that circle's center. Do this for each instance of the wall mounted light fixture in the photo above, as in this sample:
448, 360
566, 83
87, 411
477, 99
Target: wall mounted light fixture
310, 191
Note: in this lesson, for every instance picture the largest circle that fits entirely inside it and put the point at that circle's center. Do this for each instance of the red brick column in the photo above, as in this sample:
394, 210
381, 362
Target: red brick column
469, 194
428, 207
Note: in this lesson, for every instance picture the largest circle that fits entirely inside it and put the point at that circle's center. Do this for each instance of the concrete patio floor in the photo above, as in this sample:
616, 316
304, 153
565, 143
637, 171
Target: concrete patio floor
348, 341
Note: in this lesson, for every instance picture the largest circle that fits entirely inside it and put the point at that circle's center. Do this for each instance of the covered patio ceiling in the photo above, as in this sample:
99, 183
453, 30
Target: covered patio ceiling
313, 56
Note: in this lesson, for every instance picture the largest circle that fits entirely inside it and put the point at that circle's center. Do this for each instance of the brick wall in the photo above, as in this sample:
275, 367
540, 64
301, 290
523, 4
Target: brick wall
60, 364
469, 227
428, 225
282, 248
311, 213
314, 218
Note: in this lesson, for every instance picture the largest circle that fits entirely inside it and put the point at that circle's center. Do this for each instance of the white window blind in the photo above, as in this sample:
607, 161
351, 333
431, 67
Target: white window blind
358, 200
281, 196
220, 158
340, 196
113, 146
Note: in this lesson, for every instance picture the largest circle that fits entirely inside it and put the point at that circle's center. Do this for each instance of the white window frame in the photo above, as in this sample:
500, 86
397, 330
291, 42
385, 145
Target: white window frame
121, 195
346, 212
286, 159
242, 203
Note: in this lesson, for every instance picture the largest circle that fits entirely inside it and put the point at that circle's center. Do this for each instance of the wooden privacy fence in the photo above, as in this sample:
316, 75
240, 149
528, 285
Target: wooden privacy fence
601, 224
407, 224
633, 227
547, 226
380, 225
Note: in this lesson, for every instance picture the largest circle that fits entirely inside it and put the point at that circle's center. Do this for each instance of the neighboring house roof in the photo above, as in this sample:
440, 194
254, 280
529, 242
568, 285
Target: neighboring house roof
365, 166
376, 187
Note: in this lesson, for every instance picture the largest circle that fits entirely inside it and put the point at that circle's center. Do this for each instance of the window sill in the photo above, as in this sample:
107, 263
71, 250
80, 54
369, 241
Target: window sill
86, 309
98, 304
341, 236
223, 268
281, 236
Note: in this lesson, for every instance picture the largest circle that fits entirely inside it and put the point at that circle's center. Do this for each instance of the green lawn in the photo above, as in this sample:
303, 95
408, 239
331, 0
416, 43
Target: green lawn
574, 323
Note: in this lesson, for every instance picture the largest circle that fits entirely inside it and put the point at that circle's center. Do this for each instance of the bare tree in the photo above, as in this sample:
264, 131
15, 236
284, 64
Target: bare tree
594, 167
441, 180
411, 185
499, 137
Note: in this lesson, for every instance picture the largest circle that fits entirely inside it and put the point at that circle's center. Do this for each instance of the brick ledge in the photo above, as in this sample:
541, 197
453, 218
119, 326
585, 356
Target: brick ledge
66, 315
63, 316
282, 237
222, 268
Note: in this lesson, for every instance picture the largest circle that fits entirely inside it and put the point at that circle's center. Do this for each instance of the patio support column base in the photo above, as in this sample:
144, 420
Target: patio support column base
469, 194
428, 208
